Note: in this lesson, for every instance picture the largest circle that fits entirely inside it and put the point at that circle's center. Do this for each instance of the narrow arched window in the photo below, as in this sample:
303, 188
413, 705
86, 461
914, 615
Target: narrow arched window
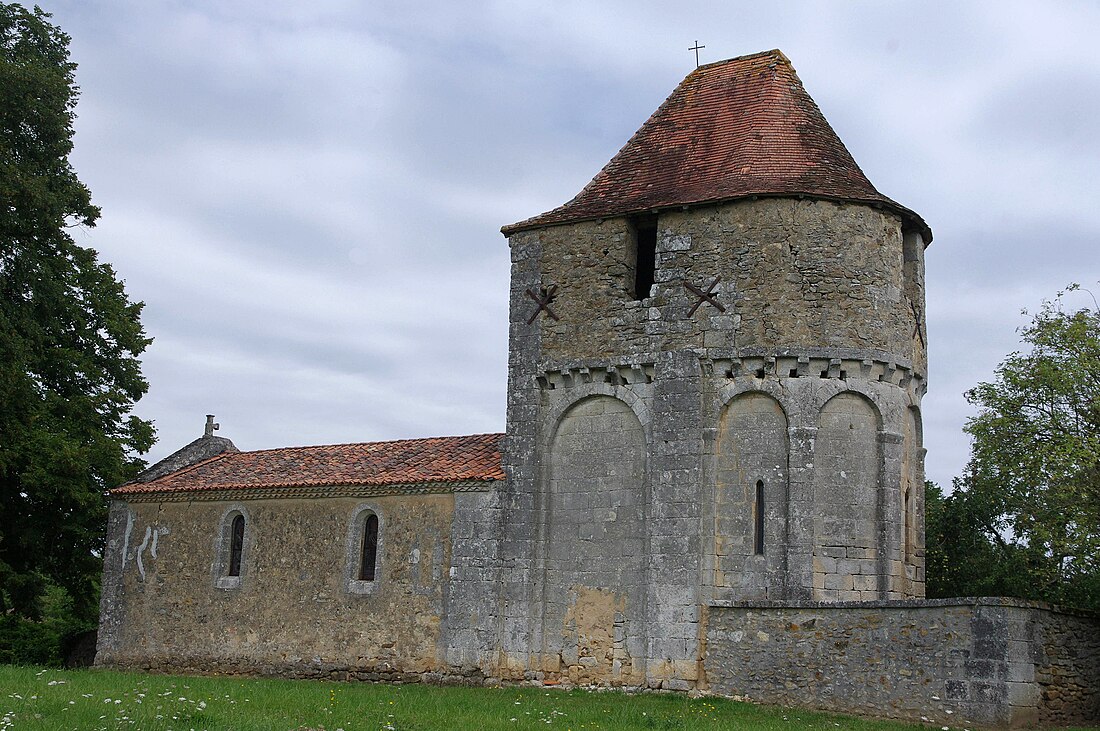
370, 548
758, 508
236, 546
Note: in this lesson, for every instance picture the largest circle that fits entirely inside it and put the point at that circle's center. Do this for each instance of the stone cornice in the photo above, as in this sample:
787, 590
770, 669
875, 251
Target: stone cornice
841, 363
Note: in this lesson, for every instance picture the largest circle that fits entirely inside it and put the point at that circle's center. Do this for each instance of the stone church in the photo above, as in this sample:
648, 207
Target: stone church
713, 464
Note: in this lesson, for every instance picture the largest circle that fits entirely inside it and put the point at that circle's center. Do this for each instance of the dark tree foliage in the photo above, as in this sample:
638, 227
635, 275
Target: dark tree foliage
1024, 520
69, 337
966, 554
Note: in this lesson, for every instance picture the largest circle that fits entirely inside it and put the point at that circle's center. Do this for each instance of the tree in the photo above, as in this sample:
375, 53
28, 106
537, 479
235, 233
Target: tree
966, 553
1032, 486
69, 338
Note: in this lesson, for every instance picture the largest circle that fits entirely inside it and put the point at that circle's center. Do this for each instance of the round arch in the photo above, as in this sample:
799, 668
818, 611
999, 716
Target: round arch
594, 542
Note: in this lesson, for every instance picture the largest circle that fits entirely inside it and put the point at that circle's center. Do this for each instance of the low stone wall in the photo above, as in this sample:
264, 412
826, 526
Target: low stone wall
1067, 668
985, 661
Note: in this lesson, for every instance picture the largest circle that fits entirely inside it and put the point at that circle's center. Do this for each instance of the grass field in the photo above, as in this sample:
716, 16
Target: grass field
85, 700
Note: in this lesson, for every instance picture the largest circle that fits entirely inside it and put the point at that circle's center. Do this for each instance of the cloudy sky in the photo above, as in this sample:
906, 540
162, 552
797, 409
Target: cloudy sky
308, 196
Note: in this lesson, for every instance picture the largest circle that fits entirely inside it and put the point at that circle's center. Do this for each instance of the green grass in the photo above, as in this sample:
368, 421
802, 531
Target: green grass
57, 700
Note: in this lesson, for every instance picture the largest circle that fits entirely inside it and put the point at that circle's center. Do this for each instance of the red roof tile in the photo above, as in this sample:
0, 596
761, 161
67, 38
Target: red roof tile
732, 129
408, 461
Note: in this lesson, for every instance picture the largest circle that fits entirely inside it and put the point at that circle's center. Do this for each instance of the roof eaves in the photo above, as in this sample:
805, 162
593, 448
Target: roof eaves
910, 218
268, 491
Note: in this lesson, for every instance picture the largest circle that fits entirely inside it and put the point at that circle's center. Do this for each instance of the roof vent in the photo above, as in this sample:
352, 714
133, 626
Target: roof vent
211, 427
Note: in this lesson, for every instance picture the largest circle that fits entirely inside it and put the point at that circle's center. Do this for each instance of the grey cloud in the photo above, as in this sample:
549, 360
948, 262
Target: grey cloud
308, 197
1058, 105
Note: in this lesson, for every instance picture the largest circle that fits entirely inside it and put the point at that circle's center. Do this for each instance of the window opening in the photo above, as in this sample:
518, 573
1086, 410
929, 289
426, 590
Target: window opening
908, 539
370, 548
236, 546
759, 509
645, 256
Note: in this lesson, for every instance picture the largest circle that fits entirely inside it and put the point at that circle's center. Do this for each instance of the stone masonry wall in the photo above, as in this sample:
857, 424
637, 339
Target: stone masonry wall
297, 606
848, 494
472, 595
793, 274
519, 627
752, 449
953, 661
1066, 649
663, 392
818, 300
594, 550
832, 458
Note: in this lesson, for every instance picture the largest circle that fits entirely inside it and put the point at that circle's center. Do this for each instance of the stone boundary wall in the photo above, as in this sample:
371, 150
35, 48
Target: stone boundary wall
983, 661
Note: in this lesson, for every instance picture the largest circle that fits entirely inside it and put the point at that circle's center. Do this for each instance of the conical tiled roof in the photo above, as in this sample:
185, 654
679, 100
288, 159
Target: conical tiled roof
731, 129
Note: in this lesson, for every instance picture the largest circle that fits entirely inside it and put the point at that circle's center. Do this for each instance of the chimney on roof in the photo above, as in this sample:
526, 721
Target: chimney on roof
211, 427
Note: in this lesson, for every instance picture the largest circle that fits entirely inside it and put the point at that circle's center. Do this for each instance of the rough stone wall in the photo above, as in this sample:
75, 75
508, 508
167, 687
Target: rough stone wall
664, 393
912, 498
594, 545
472, 595
793, 275
1067, 668
297, 604
848, 493
955, 661
842, 513
818, 300
752, 448
519, 613
675, 544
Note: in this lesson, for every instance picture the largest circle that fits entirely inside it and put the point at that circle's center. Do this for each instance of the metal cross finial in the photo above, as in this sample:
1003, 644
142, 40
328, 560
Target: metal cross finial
696, 48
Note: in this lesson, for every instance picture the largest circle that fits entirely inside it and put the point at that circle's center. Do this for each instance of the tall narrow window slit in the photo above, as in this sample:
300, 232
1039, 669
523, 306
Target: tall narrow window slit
645, 254
908, 528
236, 546
758, 509
370, 549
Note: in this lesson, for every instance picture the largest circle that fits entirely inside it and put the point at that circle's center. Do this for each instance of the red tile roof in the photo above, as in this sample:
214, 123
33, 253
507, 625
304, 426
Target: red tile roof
732, 129
409, 461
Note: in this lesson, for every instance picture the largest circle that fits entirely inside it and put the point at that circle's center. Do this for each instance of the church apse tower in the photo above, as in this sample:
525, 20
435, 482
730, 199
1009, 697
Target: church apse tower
717, 355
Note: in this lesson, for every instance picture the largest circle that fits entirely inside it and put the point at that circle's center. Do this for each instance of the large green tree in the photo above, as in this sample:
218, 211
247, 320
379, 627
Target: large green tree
968, 553
69, 337
1028, 505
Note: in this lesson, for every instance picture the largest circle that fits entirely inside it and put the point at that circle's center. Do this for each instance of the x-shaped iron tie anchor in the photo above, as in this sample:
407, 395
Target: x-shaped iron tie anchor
708, 295
542, 298
917, 332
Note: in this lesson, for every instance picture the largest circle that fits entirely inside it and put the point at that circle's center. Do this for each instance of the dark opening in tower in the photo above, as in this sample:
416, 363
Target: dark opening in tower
645, 253
758, 537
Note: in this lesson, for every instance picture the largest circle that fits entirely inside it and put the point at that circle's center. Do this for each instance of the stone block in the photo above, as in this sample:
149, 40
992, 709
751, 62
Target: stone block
865, 583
